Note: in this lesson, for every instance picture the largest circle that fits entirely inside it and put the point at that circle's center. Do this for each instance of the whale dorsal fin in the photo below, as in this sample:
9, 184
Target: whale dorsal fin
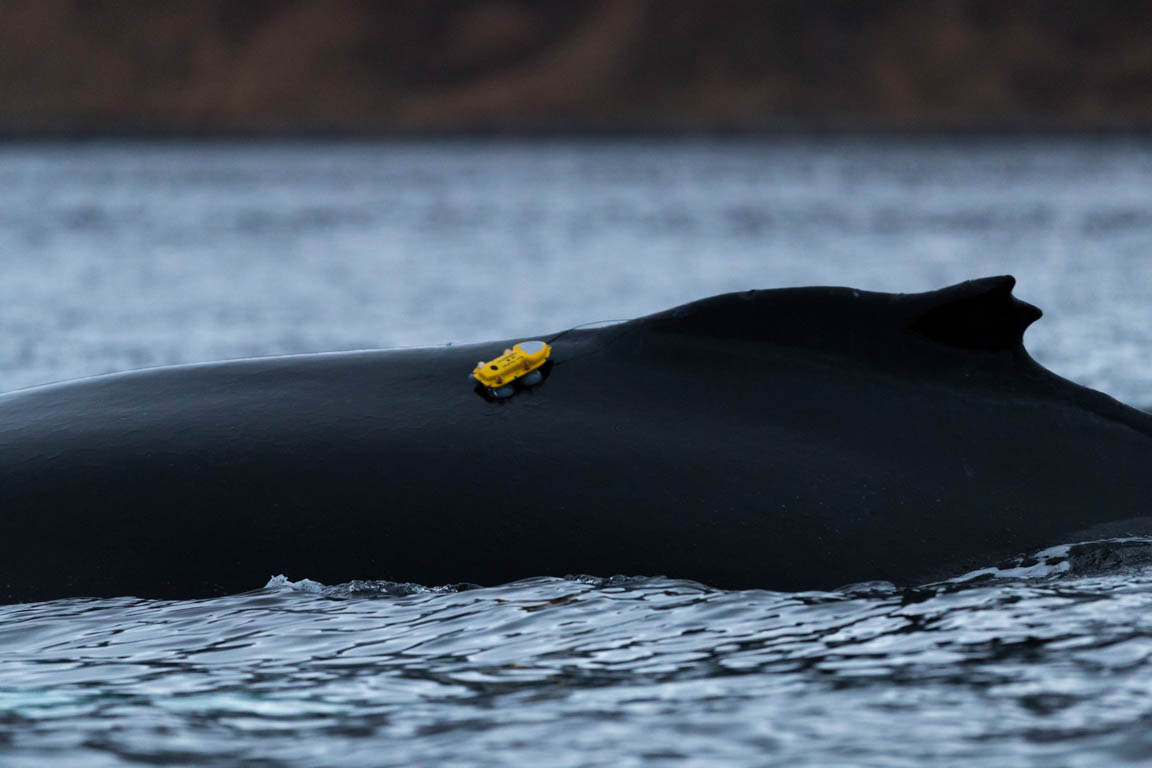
977, 314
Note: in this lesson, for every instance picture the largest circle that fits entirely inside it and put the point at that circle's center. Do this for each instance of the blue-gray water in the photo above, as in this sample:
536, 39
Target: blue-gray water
116, 256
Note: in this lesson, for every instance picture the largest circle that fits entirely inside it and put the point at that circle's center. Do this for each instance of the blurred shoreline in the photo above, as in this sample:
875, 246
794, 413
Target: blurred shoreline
64, 131
312, 68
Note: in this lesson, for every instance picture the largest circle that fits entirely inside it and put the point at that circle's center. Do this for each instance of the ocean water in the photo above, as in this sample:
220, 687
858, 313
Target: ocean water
117, 255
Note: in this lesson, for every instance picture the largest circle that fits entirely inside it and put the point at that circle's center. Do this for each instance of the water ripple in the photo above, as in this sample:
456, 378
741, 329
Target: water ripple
585, 671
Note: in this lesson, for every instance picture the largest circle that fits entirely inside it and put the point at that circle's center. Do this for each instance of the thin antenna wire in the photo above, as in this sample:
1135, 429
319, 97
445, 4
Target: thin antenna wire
585, 325
610, 323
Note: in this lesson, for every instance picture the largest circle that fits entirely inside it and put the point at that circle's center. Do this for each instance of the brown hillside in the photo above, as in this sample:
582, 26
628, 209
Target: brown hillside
458, 64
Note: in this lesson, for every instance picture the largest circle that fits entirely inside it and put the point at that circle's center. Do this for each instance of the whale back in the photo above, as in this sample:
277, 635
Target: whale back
964, 336
790, 439
977, 315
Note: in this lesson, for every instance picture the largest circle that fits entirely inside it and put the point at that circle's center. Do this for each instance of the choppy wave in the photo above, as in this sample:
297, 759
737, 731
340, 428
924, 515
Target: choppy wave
1042, 661
1085, 558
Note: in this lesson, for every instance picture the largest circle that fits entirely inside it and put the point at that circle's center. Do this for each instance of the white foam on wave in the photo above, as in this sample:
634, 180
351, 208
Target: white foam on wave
282, 583
1050, 562
362, 588
1046, 563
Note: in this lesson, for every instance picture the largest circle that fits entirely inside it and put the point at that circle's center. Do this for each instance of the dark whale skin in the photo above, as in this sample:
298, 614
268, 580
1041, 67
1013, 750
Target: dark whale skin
784, 439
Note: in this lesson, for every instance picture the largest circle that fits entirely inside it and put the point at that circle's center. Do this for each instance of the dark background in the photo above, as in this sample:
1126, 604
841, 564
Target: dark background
359, 66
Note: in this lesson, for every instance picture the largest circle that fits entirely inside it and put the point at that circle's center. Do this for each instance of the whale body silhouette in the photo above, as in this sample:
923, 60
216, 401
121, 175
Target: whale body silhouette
784, 439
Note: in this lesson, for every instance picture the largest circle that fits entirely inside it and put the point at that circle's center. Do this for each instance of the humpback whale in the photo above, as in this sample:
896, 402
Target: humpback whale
800, 438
